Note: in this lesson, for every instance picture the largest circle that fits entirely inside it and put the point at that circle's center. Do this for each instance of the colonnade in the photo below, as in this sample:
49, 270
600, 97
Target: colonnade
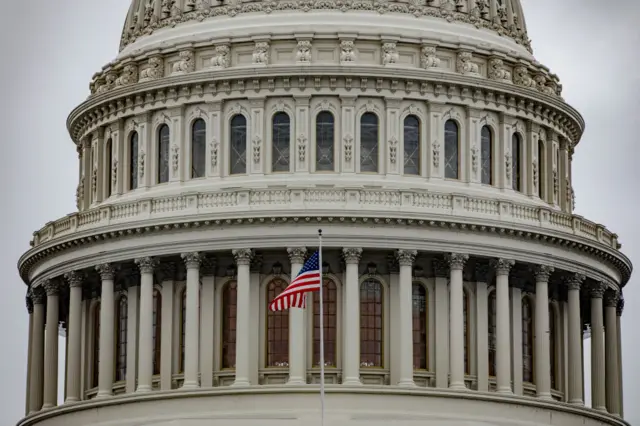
450, 369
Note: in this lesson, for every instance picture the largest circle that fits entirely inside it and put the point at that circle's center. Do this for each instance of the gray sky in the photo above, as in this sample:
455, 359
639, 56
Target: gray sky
51, 52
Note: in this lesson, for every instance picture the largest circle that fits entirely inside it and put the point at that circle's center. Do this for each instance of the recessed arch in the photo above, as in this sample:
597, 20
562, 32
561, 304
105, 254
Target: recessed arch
411, 143
277, 339
528, 339
228, 324
121, 338
369, 142
486, 155
420, 325
372, 295
451, 149
198, 148
280, 142
238, 144
164, 139
325, 141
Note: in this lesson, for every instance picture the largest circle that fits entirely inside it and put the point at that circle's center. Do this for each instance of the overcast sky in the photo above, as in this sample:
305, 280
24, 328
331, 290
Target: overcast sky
52, 48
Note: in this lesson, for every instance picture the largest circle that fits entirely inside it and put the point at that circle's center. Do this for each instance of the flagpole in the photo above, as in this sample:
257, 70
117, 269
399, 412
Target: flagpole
321, 330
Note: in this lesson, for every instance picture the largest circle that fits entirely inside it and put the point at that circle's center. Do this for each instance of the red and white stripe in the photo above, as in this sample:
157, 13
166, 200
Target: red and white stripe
295, 295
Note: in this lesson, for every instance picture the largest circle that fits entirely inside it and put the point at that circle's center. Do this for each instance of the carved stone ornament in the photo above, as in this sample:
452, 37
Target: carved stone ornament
74, 278
542, 273
107, 271
243, 256
175, 158
465, 65
556, 184
508, 165
51, 287
80, 193
436, 155
128, 76
222, 58
38, 295
141, 159
474, 159
406, 257
393, 150
154, 70
456, 261
521, 77
497, 70
389, 53
428, 58
302, 148
192, 260
574, 282
534, 169
303, 52
146, 264
596, 290
611, 299
347, 51
186, 64
261, 53
214, 146
502, 266
257, 147
352, 255
114, 173
297, 254
348, 148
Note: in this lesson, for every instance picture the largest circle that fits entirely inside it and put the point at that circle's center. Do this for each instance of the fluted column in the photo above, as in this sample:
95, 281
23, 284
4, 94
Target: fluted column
145, 332
482, 326
243, 317
574, 283
29, 303
456, 263
297, 325
503, 340
598, 399
351, 361
107, 325
619, 310
542, 274
75, 280
441, 273
51, 346
611, 347
192, 324
37, 347
405, 316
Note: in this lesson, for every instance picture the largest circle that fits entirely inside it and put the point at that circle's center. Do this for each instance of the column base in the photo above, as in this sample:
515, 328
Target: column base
544, 396
505, 391
47, 406
296, 381
407, 383
578, 402
601, 409
457, 386
144, 389
352, 381
190, 385
103, 394
71, 400
241, 383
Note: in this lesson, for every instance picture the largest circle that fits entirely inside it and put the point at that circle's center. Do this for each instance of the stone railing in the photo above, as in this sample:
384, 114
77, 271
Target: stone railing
283, 202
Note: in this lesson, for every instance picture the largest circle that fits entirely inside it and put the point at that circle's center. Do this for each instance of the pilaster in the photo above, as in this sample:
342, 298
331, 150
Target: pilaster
351, 359
482, 326
393, 148
145, 141
435, 140
51, 345
179, 146
243, 321
347, 146
301, 144
207, 325
214, 143
257, 142
473, 165
166, 340
441, 273
135, 319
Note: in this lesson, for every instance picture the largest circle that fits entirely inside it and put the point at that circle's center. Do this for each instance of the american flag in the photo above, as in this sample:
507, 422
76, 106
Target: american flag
295, 295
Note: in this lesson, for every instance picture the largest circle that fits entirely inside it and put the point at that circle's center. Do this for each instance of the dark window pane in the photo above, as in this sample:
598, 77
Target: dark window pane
281, 142
229, 310
515, 164
277, 328
542, 169
121, 340
238, 145
157, 330
107, 164
133, 161
96, 345
183, 324
492, 334
371, 320
329, 303
163, 153
198, 148
420, 327
451, 149
552, 347
486, 151
411, 145
527, 341
325, 145
369, 143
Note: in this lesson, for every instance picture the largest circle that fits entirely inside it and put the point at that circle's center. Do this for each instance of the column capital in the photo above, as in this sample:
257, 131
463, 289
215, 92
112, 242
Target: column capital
440, 268
51, 287
107, 271
146, 264
542, 273
456, 261
192, 260
243, 256
74, 278
574, 281
611, 298
620, 306
406, 257
352, 255
502, 266
297, 254
38, 296
29, 303
482, 272
597, 290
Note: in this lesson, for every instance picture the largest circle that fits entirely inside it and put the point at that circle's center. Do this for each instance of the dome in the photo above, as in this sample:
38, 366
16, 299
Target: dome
431, 149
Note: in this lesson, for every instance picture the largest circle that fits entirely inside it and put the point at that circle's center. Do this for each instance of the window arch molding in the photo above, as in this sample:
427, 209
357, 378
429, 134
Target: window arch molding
429, 285
196, 114
318, 107
416, 112
264, 303
456, 117
282, 108
225, 148
386, 321
339, 321
218, 332
376, 107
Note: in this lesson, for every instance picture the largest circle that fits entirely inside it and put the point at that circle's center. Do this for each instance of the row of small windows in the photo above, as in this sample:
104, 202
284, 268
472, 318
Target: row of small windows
371, 330
325, 149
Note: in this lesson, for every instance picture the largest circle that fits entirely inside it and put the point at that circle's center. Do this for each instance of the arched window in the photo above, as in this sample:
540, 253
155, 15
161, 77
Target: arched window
486, 154
552, 347
542, 169
107, 164
229, 315
238, 145
492, 334
411, 145
371, 320
369, 142
420, 327
466, 315
451, 150
280, 142
516, 150
325, 142
157, 327
163, 153
133, 161
329, 313
183, 328
121, 339
527, 341
96, 345
277, 328
198, 148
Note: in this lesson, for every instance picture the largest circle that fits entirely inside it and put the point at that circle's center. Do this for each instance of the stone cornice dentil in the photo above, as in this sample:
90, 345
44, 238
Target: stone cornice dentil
421, 209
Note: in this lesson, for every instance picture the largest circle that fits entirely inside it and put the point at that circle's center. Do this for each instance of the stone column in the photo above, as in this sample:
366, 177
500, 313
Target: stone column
29, 304
542, 358
405, 316
351, 360
441, 273
598, 399
297, 324
132, 286
74, 372
51, 346
503, 340
482, 326
611, 347
619, 310
107, 325
456, 320
37, 347
243, 317
192, 324
145, 331
575, 340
